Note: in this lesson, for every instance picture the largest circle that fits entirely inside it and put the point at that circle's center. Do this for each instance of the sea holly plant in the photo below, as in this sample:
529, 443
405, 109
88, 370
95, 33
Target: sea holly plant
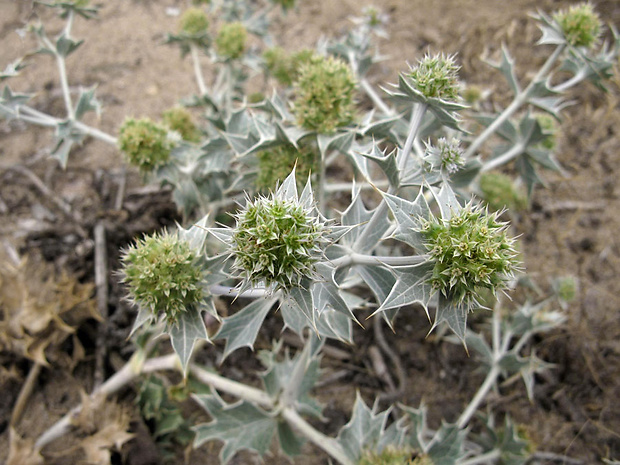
265, 240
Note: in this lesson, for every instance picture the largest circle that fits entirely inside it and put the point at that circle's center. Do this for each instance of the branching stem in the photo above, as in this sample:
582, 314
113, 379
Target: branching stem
202, 87
519, 100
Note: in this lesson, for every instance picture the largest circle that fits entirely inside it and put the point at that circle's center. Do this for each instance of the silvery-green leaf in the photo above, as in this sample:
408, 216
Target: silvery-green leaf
452, 313
239, 122
528, 173
291, 443
339, 141
335, 325
446, 201
240, 426
294, 318
507, 130
393, 436
544, 158
289, 134
300, 300
66, 45
476, 343
288, 189
184, 333
306, 199
380, 281
144, 316
363, 431
447, 445
12, 100
325, 292
196, 235
552, 33
355, 214
87, 102
506, 66
12, 69
222, 234
241, 329
381, 128
387, 163
411, 287
418, 429
407, 215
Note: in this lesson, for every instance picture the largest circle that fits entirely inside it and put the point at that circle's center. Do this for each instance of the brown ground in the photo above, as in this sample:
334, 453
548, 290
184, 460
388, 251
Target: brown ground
572, 228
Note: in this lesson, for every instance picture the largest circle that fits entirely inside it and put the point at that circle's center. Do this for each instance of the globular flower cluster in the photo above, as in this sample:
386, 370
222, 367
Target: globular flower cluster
146, 144
436, 77
324, 94
277, 241
470, 251
446, 154
163, 275
580, 25
180, 120
275, 165
394, 456
231, 40
194, 22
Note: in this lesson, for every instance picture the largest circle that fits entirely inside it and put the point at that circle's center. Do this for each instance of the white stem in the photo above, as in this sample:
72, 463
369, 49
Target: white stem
96, 133
218, 289
329, 445
64, 84
519, 100
485, 458
377, 100
347, 186
232, 387
484, 389
362, 259
202, 87
414, 125
502, 159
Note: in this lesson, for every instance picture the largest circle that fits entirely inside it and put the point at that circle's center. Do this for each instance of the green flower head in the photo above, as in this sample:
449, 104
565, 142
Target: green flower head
471, 251
436, 77
180, 120
194, 22
500, 192
146, 144
285, 4
231, 40
285, 67
324, 93
163, 275
394, 456
277, 241
274, 165
580, 24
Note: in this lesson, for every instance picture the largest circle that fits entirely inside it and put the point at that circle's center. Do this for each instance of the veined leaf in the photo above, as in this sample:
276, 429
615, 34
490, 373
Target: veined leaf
407, 216
183, 334
411, 287
240, 426
241, 329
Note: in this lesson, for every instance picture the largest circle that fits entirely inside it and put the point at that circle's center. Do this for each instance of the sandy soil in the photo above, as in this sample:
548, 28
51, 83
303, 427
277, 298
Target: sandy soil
572, 228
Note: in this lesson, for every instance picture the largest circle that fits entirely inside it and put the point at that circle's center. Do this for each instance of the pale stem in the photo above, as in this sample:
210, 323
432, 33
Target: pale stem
96, 133
362, 259
227, 291
25, 392
414, 125
64, 84
69, 24
576, 79
348, 186
202, 87
229, 386
485, 458
376, 99
502, 159
519, 100
484, 389
329, 445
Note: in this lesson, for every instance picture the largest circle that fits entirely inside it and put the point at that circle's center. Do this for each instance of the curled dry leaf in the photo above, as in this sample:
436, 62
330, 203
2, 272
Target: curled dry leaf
105, 426
39, 310
22, 451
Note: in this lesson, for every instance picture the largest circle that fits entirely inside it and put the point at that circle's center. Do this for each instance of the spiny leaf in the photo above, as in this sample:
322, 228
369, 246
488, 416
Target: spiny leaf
241, 329
240, 426
407, 216
411, 287
189, 327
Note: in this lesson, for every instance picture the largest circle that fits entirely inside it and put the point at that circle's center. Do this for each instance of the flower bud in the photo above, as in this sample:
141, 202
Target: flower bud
275, 165
194, 22
230, 41
471, 252
277, 241
324, 93
436, 77
180, 120
580, 25
447, 155
500, 192
162, 274
146, 144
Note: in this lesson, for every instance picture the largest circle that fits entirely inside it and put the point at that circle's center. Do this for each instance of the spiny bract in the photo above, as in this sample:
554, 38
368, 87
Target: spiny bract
436, 77
580, 25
